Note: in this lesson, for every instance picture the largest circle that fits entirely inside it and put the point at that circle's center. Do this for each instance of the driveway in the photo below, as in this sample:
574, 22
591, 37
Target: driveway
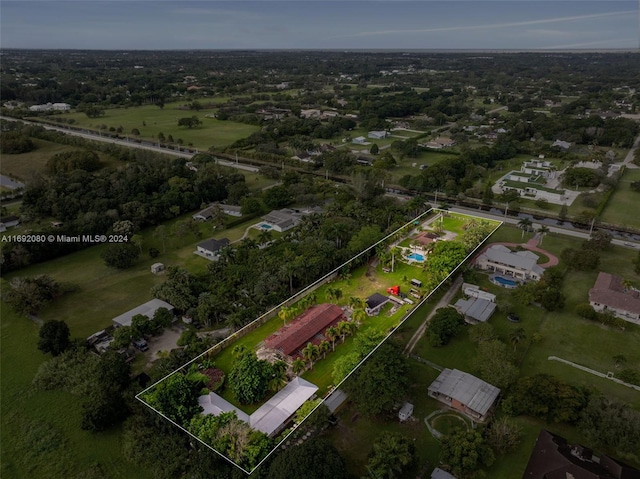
167, 341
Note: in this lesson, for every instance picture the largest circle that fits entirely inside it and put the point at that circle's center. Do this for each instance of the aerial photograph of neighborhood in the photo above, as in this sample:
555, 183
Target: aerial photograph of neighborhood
315, 239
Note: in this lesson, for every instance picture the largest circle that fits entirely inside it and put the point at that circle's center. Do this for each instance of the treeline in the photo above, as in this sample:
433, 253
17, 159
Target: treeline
248, 279
147, 190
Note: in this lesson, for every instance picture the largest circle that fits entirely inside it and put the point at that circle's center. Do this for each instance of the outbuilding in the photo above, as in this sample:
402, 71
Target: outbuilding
157, 268
406, 411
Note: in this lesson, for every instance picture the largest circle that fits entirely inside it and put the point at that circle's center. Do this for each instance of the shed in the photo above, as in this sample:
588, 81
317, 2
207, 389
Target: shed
406, 411
416, 282
157, 268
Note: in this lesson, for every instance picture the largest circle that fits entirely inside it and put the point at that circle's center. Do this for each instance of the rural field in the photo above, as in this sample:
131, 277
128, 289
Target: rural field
619, 209
151, 120
22, 166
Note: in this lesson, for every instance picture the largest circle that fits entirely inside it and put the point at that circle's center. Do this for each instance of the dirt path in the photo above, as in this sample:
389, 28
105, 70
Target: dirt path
444, 301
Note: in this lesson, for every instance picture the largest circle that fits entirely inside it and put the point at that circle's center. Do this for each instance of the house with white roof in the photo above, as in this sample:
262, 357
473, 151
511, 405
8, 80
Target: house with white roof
518, 264
147, 309
272, 416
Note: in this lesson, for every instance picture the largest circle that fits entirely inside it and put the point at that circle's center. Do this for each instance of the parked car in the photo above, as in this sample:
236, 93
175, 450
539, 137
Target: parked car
141, 345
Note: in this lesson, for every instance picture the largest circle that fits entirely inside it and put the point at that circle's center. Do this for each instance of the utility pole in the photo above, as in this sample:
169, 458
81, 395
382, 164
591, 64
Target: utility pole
593, 220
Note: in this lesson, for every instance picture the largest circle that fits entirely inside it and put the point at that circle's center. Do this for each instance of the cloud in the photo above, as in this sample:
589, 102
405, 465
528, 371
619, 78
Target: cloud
497, 25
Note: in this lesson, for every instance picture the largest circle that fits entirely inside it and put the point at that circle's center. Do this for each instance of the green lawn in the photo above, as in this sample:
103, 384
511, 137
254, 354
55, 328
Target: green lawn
40, 434
105, 292
621, 208
22, 166
151, 120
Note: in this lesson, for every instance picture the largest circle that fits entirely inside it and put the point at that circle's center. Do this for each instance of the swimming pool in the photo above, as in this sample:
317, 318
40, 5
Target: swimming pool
265, 226
416, 257
504, 282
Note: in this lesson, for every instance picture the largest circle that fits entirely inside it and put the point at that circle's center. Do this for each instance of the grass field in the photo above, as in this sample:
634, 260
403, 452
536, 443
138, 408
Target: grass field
24, 165
151, 120
105, 292
621, 208
40, 434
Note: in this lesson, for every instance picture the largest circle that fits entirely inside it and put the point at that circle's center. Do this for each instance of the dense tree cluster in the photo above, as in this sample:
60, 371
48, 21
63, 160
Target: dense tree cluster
317, 458
444, 325
53, 337
388, 367
546, 397
28, 295
15, 142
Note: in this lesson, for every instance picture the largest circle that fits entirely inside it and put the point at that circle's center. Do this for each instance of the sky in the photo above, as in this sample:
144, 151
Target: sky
326, 24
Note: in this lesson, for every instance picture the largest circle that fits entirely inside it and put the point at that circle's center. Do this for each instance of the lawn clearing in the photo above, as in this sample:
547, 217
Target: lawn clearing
40, 434
151, 120
620, 208
22, 166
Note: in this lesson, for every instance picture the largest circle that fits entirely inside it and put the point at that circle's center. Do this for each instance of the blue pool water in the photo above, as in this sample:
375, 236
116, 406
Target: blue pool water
265, 226
416, 257
505, 281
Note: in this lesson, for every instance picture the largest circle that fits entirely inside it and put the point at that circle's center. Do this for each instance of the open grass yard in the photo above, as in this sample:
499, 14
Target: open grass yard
22, 166
621, 208
151, 120
105, 292
426, 157
40, 434
354, 435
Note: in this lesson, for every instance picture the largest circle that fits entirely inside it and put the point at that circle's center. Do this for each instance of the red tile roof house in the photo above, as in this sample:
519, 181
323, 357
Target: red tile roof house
308, 327
609, 294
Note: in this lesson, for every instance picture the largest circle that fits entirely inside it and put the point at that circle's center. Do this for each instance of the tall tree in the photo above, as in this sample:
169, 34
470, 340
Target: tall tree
53, 337
390, 456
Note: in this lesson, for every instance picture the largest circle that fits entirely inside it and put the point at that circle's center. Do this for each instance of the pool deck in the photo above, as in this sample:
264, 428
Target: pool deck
531, 245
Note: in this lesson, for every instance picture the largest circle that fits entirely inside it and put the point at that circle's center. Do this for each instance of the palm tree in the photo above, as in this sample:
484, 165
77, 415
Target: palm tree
265, 236
524, 224
543, 230
239, 350
333, 294
343, 329
324, 348
357, 303
358, 315
298, 366
311, 353
516, 336
279, 376
286, 314
332, 333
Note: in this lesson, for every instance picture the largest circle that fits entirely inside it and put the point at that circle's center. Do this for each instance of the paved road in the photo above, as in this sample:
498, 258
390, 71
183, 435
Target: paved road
87, 134
629, 158
552, 229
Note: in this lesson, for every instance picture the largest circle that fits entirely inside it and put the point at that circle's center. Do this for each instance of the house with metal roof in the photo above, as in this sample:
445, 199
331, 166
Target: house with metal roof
282, 220
475, 310
375, 302
465, 393
519, 264
306, 328
147, 309
273, 415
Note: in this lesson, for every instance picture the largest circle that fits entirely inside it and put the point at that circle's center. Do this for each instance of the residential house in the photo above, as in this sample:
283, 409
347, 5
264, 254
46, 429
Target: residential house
465, 393
311, 113
474, 291
609, 293
475, 310
307, 327
375, 302
552, 457
539, 168
441, 474
7, 222
377, 135
61, 107
563, 145
272, 416
282, 220
518, 264
211, 211
211, 248
360, 140
147, 309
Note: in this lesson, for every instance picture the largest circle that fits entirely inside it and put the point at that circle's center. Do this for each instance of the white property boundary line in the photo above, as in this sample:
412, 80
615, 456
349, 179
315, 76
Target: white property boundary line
298, 296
